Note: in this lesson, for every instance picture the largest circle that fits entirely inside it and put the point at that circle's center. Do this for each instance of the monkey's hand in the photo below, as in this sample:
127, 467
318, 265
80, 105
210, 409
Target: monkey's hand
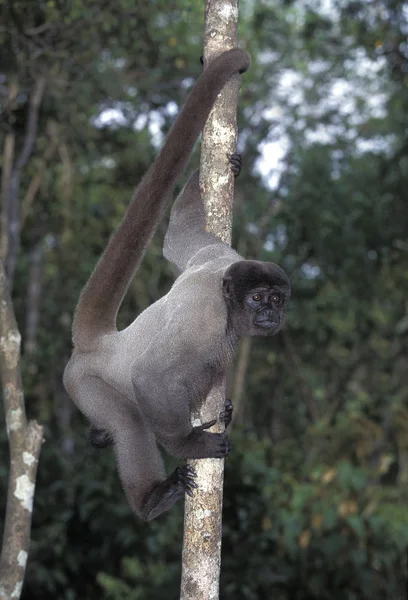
205, 444
198, 443
226, 414
100, 438
235, 161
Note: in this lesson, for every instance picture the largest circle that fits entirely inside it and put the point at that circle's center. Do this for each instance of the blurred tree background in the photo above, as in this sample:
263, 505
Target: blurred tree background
317, 483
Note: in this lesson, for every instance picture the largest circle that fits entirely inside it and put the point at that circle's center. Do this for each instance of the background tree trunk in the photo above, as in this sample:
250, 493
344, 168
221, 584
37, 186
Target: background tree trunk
238, 387
25, 444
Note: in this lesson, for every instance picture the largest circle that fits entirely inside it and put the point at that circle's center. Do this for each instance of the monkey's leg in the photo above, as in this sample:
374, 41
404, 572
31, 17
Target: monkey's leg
139, 462
141, 470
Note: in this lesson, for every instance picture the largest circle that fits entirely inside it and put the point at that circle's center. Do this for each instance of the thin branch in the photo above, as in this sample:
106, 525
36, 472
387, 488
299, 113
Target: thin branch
35, 102
14, 187
38, 30
35, 281
335, 397
66, 185
37, 178
8, 157
25, 441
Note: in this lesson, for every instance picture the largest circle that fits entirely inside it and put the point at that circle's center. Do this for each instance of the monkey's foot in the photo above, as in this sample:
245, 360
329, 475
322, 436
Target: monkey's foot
187, 475
226, 414
100, 438
235, 161
165, 494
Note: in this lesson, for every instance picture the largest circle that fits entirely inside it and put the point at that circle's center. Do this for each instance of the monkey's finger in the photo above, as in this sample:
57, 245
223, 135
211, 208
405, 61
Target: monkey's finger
225, 414
235, 157
208, 424
235, 161
228, 404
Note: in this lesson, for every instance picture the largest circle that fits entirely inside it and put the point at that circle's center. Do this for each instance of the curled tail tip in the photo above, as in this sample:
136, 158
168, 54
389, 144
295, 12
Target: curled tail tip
246, 61
239, 58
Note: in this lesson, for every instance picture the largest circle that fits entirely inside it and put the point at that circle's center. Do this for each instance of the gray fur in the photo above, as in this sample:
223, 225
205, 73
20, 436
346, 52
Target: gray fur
139, 385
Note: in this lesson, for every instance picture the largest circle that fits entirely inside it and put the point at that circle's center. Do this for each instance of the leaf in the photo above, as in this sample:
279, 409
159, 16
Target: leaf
304, 538
348, 507
329, 476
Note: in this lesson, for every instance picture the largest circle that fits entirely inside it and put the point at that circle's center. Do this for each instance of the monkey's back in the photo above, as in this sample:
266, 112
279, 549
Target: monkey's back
184, 331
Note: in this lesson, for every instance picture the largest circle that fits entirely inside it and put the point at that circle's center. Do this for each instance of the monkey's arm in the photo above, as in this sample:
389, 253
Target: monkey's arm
186, 234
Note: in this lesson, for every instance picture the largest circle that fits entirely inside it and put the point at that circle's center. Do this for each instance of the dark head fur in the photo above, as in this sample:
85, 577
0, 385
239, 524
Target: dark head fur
246, 276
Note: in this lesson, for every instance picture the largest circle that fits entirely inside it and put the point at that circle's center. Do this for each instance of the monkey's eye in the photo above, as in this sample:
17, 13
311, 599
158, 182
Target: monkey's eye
276, 298
256, 297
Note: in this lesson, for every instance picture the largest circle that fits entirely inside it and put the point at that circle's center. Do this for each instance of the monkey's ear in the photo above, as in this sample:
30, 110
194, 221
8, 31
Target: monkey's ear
227, 286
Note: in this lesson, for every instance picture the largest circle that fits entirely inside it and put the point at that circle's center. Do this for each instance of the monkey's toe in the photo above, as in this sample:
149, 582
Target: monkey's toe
186, 475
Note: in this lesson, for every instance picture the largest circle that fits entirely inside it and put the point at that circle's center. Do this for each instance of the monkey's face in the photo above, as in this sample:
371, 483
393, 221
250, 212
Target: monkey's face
256, 294
265, 306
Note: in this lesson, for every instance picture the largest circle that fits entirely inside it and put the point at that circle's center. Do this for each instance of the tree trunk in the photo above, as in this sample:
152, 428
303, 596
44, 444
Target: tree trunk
203, 512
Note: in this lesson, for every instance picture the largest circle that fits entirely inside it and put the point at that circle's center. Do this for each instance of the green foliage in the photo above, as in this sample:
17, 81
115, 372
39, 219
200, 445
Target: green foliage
327, 532
305, 537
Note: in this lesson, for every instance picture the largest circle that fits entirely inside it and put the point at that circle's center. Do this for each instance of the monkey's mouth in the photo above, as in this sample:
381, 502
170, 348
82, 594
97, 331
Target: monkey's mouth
268, 320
